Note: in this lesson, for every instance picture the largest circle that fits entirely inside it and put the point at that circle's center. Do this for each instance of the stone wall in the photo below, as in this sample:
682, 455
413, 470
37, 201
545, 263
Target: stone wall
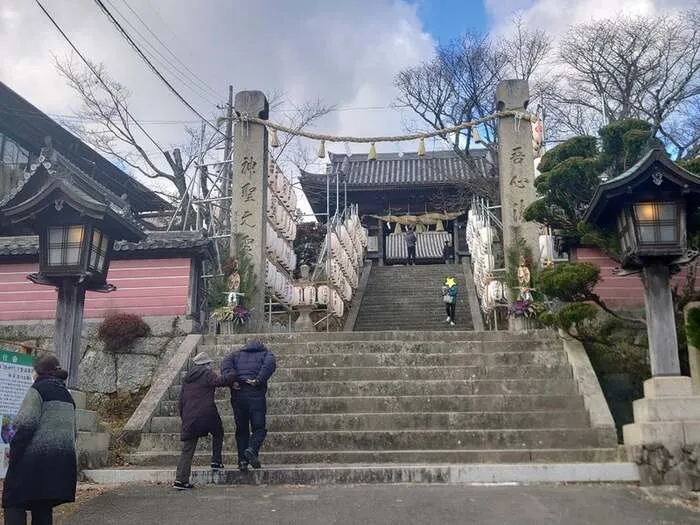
129, 370
660, 466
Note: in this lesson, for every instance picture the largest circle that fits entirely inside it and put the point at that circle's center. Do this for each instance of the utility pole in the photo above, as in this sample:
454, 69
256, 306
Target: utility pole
228, 146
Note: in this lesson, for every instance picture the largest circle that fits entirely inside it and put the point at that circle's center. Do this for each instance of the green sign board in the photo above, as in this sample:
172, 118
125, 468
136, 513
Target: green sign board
15, 380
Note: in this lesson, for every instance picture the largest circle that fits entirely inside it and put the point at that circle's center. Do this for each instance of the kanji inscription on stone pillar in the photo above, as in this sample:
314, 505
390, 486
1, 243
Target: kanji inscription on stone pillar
249, 195
516, 166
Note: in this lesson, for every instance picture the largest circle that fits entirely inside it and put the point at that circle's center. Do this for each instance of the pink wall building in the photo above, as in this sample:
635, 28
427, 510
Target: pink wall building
160, 276
619, 292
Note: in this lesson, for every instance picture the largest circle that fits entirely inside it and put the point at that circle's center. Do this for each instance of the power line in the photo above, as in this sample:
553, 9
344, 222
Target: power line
94, 72
151, 66
184, 65
157, 55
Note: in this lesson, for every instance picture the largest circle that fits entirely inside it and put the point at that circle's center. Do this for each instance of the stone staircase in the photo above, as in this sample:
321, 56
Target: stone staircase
412, 397
409, 298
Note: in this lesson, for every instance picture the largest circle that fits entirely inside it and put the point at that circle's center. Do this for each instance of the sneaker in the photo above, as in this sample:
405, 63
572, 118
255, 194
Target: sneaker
452, 323
217, 466
252, 458
182, 485
448, 320
243, 466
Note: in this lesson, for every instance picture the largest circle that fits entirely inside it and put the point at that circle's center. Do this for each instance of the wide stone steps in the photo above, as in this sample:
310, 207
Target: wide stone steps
412, 397
403, 440
405, 298
388, 336
399, 387
419, 403
219, 351
306, 459
386, 373
420, 373
402, 421
415, 359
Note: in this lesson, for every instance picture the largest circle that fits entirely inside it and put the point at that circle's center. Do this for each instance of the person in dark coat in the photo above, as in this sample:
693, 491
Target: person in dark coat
42, 471
200, 417
448, 253
250, 367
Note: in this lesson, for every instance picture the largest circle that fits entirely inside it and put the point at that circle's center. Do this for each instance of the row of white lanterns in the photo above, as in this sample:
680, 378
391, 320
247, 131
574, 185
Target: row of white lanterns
280, 218
279, 249
480, 237
282, 188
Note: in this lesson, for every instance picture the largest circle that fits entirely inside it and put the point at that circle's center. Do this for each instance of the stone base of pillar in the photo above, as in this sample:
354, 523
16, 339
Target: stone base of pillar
664, 440
519, 323
304, 323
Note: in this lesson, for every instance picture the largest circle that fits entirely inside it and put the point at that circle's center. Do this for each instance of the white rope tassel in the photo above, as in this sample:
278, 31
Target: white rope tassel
372, 155
274, 140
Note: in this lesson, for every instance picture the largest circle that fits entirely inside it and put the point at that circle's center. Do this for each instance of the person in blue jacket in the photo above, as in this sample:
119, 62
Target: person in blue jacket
449, 296
249, 370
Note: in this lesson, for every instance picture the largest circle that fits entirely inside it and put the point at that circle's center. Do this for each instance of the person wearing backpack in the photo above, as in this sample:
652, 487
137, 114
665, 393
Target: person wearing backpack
449, 297
250, 367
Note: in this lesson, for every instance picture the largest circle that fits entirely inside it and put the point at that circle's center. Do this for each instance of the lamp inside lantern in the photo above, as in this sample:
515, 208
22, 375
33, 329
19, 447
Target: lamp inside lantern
75, 250
651, 229
65, 245
658, 222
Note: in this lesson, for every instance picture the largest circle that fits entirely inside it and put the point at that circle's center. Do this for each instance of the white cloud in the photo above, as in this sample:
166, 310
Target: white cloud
345, 52
556, 16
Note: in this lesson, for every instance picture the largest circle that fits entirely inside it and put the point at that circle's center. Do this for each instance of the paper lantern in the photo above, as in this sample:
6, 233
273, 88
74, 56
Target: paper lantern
309, 295
323, 294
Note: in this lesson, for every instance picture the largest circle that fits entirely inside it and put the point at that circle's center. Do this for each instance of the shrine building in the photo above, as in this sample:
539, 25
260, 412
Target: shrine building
429, 193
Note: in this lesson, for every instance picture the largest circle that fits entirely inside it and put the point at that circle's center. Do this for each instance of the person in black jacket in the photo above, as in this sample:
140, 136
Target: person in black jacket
42, 472
200, 417
250, 367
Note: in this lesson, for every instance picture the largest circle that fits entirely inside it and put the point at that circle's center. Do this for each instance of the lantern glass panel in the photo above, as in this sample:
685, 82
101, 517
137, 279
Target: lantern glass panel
65, 245
657, 222
98, 250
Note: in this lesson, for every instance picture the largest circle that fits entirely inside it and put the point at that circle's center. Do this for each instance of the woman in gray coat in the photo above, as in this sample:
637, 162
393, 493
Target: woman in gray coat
42, 472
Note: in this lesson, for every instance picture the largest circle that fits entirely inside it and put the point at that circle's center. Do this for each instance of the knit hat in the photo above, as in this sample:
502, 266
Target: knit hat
202, 358
49, 365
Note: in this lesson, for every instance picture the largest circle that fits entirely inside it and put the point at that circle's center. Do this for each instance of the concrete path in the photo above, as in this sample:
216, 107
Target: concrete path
386, 504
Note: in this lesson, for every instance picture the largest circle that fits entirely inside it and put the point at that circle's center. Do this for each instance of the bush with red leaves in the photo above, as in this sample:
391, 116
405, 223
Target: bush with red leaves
120, 329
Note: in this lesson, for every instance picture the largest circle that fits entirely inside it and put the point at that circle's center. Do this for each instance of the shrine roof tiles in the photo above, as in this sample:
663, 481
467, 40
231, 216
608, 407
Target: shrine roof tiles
175, 241
394, 169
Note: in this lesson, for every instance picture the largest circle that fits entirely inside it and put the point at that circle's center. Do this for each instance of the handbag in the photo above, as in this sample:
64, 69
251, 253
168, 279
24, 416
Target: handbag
447, 298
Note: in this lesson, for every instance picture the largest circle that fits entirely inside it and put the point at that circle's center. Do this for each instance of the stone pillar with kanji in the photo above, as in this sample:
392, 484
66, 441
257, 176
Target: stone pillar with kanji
516, 167
249, 197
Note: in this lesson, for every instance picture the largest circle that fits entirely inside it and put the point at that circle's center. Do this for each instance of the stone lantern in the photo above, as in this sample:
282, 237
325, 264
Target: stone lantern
77, 221
648, 206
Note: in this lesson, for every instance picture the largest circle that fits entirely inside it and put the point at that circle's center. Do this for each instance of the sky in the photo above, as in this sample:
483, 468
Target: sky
343, 52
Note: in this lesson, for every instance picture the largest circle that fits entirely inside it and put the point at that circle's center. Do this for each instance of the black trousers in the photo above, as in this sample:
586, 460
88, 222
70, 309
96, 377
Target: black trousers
411, 254
451, 308
41, 515
249, 411
184, 467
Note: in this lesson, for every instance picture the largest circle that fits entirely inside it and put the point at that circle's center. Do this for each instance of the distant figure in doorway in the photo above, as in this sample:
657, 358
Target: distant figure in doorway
200, 417
251, 367
411, 239
448, 253
449, 297
42, 472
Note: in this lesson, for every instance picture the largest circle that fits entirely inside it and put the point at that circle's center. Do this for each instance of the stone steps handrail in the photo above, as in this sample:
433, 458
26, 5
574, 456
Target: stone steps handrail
166, 375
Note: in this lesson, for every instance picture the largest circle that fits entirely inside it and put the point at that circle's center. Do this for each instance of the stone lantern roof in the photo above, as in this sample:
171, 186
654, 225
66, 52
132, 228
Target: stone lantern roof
53, 183
654, 177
